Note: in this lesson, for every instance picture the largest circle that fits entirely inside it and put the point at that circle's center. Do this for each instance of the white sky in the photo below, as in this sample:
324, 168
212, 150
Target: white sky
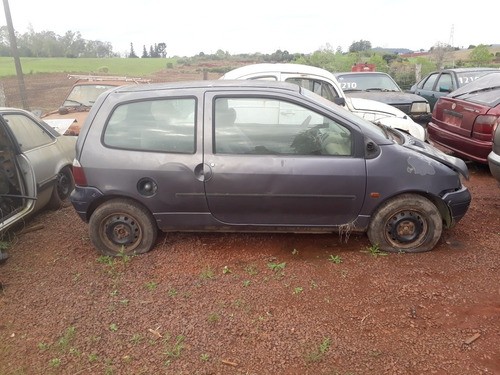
237, 26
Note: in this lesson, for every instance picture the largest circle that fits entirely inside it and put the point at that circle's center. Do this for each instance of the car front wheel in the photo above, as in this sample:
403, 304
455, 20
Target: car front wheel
408, 223
122, 227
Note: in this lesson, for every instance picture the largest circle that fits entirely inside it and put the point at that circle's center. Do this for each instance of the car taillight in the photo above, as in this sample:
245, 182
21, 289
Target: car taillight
78, 174
483, 127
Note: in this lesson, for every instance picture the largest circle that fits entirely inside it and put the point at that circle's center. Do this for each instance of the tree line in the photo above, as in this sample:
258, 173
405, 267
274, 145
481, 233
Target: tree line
71, 45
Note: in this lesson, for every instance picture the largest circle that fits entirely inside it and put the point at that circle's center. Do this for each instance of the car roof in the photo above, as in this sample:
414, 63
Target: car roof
358, 73
274, 68
464, 70
216, 84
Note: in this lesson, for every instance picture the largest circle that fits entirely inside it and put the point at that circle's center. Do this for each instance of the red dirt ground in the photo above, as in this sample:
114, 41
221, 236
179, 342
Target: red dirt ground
254, 303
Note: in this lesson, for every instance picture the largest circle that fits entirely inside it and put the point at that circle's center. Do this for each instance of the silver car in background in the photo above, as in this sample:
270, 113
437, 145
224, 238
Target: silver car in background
35, 166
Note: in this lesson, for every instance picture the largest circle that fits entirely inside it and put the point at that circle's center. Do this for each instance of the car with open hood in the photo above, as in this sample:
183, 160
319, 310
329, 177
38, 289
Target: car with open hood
35, 166
70, 116
255, 156
383, 88
324, 83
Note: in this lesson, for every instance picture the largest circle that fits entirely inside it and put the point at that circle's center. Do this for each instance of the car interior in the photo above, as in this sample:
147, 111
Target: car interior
11, 188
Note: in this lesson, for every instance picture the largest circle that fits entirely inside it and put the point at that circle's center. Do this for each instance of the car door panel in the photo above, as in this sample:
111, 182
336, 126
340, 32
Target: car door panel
17, 182
272, 188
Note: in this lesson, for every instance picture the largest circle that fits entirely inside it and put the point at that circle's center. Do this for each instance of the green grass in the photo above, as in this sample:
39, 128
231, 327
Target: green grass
317, 353
111, 66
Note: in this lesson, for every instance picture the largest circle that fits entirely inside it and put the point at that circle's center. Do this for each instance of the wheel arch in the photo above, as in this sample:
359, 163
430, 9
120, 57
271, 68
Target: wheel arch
106, 198
438, 202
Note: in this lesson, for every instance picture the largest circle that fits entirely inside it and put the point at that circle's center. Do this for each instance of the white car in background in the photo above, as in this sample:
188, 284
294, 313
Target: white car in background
324, 83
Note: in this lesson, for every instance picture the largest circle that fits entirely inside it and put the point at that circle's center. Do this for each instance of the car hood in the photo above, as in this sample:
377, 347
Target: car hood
388, 97
381, 113
363, 104
69, 123
426, 149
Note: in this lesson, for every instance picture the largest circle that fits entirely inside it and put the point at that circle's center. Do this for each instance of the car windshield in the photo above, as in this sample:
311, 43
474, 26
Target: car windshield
367, 82
467, 77
85, 95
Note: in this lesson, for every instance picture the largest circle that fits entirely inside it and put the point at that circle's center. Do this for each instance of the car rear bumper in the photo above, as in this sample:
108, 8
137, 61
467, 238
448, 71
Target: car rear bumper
81, 198
494, 164
458, 202
468, 148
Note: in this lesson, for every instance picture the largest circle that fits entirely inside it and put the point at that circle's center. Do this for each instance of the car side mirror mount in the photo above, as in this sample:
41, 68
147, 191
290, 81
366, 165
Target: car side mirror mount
339, 101
444, 89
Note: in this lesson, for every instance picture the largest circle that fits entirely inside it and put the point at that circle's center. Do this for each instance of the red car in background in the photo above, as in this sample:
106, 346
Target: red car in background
463, 121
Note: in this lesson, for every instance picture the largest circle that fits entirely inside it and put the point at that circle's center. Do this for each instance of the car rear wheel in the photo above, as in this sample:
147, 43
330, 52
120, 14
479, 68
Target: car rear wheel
408, 223
64, 186
122, 227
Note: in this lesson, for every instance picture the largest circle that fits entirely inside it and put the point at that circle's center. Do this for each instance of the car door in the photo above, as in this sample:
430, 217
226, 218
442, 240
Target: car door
262, 170
38, 146
427, 89
17, 180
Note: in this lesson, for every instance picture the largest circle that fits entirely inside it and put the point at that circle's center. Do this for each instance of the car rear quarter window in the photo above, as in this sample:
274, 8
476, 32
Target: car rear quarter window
28, 133
165, 125
275, 127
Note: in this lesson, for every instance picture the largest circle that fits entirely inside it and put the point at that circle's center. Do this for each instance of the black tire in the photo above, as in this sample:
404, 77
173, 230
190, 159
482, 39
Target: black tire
122, 227
408, 223
64, 186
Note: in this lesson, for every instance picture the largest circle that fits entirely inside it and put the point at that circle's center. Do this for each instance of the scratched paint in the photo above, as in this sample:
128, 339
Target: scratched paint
420, 165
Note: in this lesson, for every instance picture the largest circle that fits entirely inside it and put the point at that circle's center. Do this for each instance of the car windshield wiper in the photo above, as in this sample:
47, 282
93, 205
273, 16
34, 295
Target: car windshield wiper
347, 90
76, 102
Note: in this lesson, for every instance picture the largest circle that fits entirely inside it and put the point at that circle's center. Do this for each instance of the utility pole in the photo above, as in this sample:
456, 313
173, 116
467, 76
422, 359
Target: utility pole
15, 54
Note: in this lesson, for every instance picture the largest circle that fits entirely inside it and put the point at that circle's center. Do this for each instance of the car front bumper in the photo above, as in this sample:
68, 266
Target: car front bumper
458, 203
464, 147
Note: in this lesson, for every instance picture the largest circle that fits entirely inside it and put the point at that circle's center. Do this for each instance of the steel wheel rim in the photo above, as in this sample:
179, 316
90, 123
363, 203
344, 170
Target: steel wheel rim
63, 185
406, 229
121, 230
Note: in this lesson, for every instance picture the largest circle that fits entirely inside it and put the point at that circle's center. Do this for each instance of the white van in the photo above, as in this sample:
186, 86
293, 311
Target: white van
325, 84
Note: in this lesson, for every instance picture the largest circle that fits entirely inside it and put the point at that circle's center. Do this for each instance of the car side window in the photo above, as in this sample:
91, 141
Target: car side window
266, 126
28, 133
321, 88
166, 125
429, 82
445, 83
